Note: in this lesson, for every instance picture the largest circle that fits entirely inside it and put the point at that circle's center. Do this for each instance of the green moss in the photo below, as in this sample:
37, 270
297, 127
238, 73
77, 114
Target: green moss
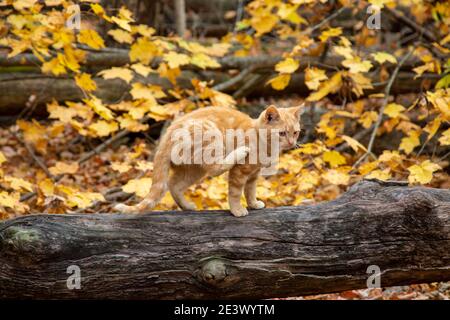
19, 236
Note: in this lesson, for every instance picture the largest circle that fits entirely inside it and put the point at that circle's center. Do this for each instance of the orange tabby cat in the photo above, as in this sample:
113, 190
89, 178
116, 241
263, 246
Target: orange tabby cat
244, 162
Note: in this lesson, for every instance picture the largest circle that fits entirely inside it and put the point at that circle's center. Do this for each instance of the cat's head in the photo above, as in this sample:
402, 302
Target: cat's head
286, 120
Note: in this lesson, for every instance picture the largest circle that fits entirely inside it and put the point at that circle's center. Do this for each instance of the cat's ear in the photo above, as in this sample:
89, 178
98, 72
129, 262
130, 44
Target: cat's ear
298, 110
271, 114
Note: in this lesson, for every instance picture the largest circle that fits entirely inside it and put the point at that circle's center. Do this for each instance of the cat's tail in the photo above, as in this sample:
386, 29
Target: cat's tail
161, 167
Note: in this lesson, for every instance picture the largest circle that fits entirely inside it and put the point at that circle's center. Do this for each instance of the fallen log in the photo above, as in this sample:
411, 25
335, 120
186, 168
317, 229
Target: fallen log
274, 252
115, 57
17, 88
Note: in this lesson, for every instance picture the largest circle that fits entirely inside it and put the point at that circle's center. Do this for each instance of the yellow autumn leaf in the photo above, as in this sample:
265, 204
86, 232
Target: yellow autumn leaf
121, 36
85, 82
63, 114
288, 65
367, 118
117, 72
380, 174
356, 65
143, 50
158, 91
171, 74
175, 60
445, 138
121, 167
143, 30
393, 110
141, 187
336, 177
440, 99
220, 99
381, 57
309, 179
367, 167
12, 200
329, 33
422, 173
18, 184
313, 77
264, 23
72, 58
392, 158
83, 199
98, 10
432, 127
97, 105
334, 158
379, 4
54, 66
127, 122
204, 61
354, 144
311, 148
329, 86
141, 69
142, 91
35, 134
2, 158
408, 144
47, 187
62, 168
143, 165
91, 38
360, 83
23, 4
102, 128
280, 81
344, 51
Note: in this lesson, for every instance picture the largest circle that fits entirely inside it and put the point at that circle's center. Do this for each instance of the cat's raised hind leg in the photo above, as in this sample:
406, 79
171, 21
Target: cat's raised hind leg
234, 157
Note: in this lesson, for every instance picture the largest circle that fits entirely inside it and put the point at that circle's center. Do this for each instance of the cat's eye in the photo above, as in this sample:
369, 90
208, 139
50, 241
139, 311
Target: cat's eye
282, 133
296, 133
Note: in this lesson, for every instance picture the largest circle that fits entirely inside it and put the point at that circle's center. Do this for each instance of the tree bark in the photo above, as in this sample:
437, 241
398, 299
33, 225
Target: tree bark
276, 252
180, 17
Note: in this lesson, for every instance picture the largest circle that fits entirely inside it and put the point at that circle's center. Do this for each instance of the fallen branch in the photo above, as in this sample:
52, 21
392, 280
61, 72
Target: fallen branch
387, 92
16, 91
274, 252
412, 24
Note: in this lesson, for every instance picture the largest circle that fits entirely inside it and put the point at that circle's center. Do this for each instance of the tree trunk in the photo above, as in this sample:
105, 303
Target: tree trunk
180, 17
276, 252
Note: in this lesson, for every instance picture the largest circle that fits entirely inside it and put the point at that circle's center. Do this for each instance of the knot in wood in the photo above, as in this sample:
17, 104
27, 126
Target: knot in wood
418, 202
19, 239
214, 273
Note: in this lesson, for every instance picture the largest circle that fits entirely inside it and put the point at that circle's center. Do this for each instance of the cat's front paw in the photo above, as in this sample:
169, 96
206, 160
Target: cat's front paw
123, 208
189, 206
257, 205
239, 212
